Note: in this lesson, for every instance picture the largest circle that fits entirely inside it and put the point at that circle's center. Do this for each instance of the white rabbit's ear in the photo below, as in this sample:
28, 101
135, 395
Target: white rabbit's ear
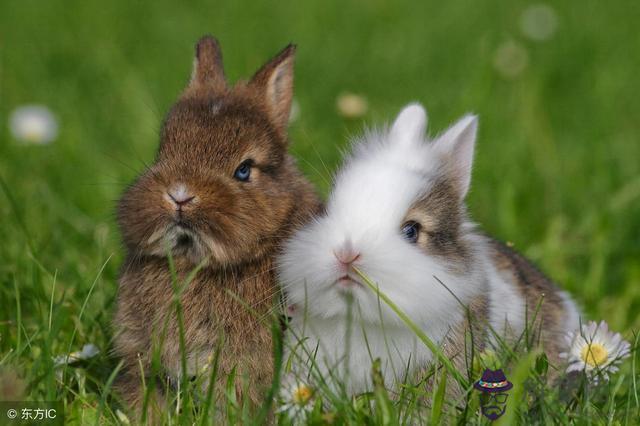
410, 125
456, 146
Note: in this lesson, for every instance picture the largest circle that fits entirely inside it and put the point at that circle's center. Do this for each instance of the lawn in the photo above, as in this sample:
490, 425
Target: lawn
557, 168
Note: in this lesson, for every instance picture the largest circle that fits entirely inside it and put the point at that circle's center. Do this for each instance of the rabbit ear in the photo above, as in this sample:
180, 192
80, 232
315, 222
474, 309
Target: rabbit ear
456, 146
208, 74
274, 83
410, 125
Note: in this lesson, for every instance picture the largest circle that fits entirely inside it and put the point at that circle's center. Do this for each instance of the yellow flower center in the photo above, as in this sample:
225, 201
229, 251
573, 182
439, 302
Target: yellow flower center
33, 135
302, 395
594, 354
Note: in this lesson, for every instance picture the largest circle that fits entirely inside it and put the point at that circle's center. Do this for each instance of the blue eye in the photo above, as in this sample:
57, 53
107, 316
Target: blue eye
243, 172
411, 231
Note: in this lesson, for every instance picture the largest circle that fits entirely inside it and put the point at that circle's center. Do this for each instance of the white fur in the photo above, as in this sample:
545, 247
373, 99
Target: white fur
344, 329
506, 305
572, 314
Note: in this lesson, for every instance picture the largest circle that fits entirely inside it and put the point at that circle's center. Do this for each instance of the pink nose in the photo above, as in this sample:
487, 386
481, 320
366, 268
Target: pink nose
346, 254
180, 195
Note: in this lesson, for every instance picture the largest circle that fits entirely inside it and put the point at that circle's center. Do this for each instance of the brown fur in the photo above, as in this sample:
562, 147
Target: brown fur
440, 215
234, 228
545, 307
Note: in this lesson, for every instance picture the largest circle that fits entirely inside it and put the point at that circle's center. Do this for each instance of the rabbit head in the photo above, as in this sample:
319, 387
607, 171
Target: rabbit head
397, 214
222, 186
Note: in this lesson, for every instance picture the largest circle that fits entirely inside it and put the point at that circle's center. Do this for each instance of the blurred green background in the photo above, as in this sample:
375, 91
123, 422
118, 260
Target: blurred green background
556, 86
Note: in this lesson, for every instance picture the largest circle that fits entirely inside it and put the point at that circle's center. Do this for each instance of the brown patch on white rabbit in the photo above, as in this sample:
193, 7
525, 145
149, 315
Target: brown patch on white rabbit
440, 215
223, 192
546, 309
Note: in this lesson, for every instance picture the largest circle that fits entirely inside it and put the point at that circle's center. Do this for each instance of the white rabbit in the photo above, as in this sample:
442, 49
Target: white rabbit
397, 214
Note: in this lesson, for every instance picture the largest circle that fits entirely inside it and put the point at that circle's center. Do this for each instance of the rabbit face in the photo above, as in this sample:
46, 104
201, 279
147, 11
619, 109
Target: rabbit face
223, 186
217, 188
396, 214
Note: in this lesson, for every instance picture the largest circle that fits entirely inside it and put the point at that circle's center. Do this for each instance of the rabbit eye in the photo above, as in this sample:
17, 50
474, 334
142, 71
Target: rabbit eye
411, 231
243, 172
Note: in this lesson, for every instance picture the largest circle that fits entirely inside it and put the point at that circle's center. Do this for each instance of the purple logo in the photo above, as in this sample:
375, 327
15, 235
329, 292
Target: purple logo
494, 386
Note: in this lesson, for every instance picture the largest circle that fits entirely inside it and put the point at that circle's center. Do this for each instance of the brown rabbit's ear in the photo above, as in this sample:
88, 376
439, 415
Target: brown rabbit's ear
274, 83
208, 74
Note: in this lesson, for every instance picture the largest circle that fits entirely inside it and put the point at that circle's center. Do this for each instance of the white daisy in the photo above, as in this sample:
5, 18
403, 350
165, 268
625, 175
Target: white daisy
88, 351
34, 124
296, 398
595, 350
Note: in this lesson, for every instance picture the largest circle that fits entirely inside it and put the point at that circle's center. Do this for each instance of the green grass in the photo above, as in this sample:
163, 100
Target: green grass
557, 169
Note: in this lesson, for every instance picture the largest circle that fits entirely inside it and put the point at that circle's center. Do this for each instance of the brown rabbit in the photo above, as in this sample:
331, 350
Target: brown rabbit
223, 193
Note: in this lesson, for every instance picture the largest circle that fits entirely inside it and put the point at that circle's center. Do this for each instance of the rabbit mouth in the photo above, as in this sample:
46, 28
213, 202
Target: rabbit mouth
348, 282
184, 241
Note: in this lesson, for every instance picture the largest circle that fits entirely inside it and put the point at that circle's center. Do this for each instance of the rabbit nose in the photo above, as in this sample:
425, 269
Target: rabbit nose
346, 254
180, 195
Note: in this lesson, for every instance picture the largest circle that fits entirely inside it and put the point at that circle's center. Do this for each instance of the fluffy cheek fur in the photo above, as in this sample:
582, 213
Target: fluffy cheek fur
308, 273
143, 214
243, 219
